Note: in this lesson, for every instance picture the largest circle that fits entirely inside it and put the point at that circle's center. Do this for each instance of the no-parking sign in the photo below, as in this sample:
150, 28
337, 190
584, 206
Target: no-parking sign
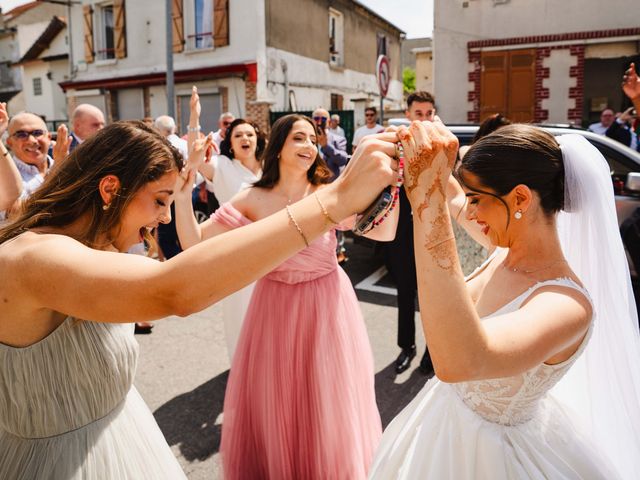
383, 74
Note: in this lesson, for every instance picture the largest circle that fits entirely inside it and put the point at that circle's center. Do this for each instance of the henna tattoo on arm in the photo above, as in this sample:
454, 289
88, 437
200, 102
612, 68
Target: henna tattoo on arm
438, 241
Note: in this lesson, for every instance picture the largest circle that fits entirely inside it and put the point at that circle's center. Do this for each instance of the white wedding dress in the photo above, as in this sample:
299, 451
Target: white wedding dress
504, 428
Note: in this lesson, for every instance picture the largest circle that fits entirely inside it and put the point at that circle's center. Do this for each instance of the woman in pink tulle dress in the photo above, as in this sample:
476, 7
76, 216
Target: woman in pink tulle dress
300, 401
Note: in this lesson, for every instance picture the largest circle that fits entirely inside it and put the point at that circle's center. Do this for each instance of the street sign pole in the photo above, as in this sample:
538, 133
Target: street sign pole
383, 77
170, 78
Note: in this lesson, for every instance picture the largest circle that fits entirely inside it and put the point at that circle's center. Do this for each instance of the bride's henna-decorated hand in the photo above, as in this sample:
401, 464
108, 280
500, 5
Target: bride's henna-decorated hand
430, 153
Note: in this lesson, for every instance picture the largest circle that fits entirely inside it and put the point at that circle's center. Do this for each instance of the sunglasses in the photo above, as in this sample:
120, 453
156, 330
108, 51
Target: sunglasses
319, 119
226, 124
369, 114
24, 134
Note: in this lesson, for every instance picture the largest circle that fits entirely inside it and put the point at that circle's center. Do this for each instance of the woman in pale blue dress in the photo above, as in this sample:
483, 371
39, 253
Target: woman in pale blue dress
536, 354
68, 408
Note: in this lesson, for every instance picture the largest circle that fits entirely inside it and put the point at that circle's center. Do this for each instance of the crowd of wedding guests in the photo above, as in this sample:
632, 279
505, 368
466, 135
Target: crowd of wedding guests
300, 400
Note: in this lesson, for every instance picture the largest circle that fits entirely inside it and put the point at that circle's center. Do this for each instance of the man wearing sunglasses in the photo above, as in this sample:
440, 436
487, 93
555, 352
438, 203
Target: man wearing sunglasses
223, 124
29, 141
370, 127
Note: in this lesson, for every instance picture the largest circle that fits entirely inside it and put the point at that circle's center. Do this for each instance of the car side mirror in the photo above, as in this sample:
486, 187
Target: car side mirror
633, 182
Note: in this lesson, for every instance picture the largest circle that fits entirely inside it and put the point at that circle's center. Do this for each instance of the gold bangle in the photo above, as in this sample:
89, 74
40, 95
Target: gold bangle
324, 210
293, 220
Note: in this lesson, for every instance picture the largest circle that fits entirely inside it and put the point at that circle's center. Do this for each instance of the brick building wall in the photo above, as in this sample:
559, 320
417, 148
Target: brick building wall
575, 42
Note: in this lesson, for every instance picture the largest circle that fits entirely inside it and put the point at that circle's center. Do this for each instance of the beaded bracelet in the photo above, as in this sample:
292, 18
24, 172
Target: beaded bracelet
293, 220
396, 195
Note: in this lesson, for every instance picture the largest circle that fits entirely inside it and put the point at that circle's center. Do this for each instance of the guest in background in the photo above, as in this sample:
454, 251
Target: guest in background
370, 127
334, 126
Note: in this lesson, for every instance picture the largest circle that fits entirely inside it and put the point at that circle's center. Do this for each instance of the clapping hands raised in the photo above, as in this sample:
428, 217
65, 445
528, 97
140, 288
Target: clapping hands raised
631, 83
63, 142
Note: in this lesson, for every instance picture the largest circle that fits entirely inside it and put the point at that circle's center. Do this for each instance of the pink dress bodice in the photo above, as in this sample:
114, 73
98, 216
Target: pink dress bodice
315, 261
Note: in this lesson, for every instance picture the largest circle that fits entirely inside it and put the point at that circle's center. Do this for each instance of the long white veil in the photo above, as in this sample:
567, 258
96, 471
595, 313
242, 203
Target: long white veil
603, 387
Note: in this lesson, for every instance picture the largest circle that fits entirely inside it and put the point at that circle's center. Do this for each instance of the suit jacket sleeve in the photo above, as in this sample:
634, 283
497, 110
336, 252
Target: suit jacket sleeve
619, 133
335, 151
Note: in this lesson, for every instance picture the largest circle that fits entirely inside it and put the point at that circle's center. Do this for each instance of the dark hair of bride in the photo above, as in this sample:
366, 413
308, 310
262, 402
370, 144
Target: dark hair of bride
517, 154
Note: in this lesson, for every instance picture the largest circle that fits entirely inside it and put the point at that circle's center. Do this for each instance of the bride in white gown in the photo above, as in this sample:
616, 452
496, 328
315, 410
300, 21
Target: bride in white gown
536, 354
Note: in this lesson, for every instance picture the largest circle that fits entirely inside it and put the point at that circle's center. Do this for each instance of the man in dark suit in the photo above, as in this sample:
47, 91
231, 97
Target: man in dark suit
400, 259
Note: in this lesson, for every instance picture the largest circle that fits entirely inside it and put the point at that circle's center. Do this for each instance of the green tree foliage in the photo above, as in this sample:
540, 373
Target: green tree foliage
409, 80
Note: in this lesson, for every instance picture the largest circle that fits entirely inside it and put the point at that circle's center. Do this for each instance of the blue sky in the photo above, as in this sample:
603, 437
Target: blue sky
413, 16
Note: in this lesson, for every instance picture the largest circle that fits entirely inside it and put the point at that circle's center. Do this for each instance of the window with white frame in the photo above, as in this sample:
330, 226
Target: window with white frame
105, 44
336, 38
200, 27
37, 86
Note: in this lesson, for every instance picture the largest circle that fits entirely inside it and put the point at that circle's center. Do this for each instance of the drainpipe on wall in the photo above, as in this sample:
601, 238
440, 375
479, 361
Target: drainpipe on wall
287, 104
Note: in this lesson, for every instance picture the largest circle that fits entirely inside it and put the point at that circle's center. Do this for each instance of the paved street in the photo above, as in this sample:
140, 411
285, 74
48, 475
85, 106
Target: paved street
184, 367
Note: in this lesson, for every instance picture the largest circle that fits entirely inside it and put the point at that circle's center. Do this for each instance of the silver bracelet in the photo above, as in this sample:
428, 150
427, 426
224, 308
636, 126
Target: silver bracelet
194, 129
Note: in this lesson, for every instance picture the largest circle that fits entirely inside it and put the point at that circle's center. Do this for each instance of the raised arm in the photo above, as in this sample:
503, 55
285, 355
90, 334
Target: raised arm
63, 275
204, 167
10, 180
189, 231
631, 86
461, 346
61, 147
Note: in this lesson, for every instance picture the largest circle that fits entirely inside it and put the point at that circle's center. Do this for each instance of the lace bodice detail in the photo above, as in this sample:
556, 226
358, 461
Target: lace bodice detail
514, 400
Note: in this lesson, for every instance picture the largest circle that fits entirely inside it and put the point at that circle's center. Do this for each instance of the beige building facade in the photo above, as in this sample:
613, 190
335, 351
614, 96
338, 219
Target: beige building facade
249, 57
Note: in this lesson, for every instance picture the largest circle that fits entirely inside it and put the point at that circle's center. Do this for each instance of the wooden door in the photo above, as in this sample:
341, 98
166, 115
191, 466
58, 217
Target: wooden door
507, 84
493, 83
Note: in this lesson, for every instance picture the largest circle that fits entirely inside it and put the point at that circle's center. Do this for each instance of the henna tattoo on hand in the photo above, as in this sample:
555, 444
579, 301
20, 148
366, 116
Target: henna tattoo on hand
437, 186
417, 165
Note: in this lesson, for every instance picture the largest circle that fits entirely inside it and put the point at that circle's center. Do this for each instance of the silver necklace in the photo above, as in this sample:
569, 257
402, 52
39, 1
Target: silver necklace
516, 270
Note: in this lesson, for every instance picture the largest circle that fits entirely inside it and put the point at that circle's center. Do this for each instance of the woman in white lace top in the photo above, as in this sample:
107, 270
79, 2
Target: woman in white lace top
501, 339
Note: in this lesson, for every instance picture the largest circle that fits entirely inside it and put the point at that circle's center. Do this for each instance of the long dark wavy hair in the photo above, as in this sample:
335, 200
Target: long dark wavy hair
132, 151
225, 144
318, 172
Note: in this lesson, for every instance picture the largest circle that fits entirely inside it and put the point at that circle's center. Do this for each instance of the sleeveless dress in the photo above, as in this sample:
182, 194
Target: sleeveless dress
68, 409
232, 177
300, 400
503, 428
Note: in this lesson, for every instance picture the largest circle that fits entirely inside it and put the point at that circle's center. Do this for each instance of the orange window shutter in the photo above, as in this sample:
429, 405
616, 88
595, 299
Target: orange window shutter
221, 23
119, 30
89, 54
178, 26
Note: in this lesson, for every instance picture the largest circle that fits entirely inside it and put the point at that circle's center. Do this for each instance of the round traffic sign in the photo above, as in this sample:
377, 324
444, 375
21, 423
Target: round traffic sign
383, 74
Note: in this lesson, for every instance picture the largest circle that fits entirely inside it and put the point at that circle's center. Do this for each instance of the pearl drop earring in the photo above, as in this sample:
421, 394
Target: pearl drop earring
518, 215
